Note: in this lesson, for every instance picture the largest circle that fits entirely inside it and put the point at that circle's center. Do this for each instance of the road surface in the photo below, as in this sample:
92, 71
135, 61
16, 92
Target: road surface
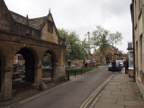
69, 95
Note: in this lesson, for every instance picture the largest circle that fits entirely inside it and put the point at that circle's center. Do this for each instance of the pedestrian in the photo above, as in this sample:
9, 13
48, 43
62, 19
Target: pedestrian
126, 64
113, 66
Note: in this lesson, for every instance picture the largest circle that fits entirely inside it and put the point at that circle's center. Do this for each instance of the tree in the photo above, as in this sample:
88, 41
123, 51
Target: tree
85, 48
115, 38
102, 39
47, 60
76, 49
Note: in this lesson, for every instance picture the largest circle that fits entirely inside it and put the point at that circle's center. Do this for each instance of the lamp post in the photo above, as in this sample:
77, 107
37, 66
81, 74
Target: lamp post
88, 33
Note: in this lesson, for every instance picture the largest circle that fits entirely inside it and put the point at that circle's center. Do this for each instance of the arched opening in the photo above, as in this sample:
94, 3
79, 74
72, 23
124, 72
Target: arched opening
23, 69
48, 67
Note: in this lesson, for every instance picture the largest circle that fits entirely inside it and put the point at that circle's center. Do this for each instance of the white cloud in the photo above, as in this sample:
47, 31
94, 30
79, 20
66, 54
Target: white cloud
81, 15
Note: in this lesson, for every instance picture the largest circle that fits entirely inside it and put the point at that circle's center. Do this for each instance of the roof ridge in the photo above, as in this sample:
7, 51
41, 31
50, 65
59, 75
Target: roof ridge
12, 12
38, 18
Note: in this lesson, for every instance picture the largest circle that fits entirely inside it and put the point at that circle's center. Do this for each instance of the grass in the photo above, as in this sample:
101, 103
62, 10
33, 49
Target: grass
79, 70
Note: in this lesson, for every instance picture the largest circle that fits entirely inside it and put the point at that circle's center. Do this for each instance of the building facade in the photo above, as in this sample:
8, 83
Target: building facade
130, 59
111, 54
137, 15
32, 39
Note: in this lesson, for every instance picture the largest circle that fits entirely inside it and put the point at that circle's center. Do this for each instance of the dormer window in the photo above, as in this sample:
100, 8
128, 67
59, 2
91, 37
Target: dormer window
50, 27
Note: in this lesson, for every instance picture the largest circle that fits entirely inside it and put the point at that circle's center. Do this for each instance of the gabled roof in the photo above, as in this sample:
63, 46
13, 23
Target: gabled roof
4, 11
18, 18
37, 23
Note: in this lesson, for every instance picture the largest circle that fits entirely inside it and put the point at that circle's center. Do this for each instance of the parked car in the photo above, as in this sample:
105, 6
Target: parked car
110, 67
121, 62
117, 68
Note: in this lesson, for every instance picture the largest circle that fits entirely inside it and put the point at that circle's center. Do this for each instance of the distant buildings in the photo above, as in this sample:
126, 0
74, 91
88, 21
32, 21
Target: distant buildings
112, 53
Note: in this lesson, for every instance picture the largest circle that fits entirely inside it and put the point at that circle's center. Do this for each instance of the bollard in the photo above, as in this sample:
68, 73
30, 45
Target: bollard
68, 74
81, 70
75, 73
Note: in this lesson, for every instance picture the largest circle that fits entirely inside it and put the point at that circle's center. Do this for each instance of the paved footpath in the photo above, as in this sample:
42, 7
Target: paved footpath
121, 92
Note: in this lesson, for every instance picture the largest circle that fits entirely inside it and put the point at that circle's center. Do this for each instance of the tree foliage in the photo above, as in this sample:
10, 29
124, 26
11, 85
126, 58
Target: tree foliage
115, 38
76, 49
47, 60
102, 38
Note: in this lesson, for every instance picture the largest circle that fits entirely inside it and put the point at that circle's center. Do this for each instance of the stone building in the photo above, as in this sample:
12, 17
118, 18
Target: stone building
111, 54
31, 38
137, 15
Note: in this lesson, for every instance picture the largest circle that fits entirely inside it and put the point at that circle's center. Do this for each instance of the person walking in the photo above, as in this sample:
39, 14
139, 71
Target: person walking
113, 66
126, 64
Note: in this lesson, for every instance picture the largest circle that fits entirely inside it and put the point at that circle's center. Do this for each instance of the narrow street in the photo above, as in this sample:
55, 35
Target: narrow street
69, 95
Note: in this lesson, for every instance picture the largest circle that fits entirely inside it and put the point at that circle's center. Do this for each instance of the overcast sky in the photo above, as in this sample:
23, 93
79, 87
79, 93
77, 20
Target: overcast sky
81, 16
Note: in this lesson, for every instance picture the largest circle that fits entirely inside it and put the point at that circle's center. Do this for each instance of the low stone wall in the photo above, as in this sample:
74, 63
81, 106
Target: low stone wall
46, 72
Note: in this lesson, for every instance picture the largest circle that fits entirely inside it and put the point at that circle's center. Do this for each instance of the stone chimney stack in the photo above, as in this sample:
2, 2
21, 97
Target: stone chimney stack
27, 20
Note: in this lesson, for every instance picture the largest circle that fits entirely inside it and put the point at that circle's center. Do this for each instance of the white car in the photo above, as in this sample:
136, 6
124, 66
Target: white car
110, 67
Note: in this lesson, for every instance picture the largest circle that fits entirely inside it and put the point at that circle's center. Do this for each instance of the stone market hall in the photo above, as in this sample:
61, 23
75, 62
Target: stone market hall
28, 40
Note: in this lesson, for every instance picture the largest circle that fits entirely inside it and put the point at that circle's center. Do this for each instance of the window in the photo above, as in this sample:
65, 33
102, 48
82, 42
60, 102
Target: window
50, 27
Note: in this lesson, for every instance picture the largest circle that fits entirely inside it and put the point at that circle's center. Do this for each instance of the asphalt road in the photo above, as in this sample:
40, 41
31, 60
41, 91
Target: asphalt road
69, 95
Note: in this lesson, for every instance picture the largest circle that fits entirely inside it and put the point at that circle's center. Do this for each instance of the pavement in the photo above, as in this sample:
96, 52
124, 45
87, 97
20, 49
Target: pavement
32, 92
121, 92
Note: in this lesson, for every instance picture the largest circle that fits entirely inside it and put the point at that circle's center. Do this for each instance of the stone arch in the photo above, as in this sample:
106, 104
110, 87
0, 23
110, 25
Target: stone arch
27, 75
49, 70
30, 61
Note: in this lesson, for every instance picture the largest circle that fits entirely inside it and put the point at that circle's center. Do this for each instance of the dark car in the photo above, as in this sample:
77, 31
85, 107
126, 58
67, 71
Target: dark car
117, 68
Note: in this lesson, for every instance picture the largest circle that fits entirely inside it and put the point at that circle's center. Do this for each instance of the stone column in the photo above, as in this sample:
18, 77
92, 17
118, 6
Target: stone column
55, 72
7, 83
59, 73
38, 75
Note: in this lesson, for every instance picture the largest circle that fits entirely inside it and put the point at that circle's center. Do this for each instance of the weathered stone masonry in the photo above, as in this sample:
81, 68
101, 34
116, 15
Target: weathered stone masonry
31, 38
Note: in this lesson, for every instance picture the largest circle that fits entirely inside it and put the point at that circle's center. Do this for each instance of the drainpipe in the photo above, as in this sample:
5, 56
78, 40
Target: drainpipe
133, 37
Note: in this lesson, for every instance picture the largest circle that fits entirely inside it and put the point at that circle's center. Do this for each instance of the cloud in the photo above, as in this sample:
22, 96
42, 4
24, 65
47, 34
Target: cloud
80, 16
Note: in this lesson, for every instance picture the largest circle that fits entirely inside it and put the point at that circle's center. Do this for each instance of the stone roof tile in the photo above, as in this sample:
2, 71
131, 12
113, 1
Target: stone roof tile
37, 23
18, 18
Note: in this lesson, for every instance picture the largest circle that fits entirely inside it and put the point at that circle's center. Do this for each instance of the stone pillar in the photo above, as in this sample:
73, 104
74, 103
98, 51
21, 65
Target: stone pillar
7, 72
55, 72
38, 75
7, 83
59, 74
